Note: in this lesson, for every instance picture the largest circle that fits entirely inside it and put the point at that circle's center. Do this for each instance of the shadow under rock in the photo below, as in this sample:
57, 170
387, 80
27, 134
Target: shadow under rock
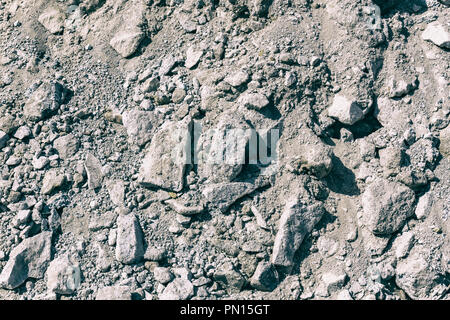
341, 179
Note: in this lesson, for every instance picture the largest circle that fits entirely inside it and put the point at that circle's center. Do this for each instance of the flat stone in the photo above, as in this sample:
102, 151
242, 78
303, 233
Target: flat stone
3, 139
223, 195
238, 78
130, 240
183, 209
28, 260
167, 65
102, 221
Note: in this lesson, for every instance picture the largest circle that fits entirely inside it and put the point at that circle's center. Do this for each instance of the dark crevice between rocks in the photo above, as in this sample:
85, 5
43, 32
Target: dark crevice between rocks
360, 129
342, 180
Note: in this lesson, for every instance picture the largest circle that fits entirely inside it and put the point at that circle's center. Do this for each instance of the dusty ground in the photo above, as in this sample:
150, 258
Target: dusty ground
97, 202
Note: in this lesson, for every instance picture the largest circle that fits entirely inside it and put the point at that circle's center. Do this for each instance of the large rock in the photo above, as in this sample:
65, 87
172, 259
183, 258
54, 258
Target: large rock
63, 275
437, 33
28, 260
345, 110
386, 206
140, 125
53, 20
67, 146
297, 221
168, 155
130, 239
127, 41
45, 101
178, 289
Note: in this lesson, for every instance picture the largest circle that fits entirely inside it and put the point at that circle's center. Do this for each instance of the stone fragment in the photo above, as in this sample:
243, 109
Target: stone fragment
67, 146
167, 65
424, 205
345, 110
102, 221
53, 20
178, 289
130, 240
183, 209
162, 275
403, 244
437, 33
386, 206
52, 181
94, 171
126, 42
255, 101
232, 279
238, 78
114, 293
28, 260
116, 189
22, 132
63, 275
140, 125
297, 221
192, 57
223, 195
265, 277
334, 280
3, 139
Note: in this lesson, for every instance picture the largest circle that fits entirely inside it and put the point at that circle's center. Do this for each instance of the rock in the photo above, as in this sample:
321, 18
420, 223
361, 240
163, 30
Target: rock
193, 56
40, 163
223, 195
178, 95
28, 260
53, 20
255, 101
400, 88
265, 277
238, 78
344, 295
424, 205
150, 85
167, 157
178, 289
52, 181
155, 254
94, 171
67, 146
187, 24
334, 280
167, 65
8, 124
297, 220
259, 8
414, 275
437, 33
403, 244
114, 293
63, 275
45, 101
130, 240
232, 279
315, 160
184, 210
22, 132
345, 110
3, 139
162, 275
140, 125
221, 149
126, 42
103, 221
390, 159
116, 189
386, 206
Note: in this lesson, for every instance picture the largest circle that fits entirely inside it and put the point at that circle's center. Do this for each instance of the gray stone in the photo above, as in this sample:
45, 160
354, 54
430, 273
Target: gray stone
114, 293
183, 209
63, 275
297, 220
102, 221
238, 78
167, 65
192, 57
67, 146
265, 277
116, 190
345, 110
403, 244
255, 101
334, 280
386, 206
52, 181
126, 42
22, 132
44, 101
178, 289
162, 275
94, 171
28, 260
130, 239
168, 155
140, 125
53, 20
424, 205
232, 279
3, 139
437, 33
223, 195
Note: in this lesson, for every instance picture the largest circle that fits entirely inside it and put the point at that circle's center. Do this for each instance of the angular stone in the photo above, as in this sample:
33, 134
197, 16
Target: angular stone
297, 221
53, 20
178, 289
238, 78
168, 155
126, 42
22, 132
162, 275
255, 101
45, 101
334, 280
183, 209
28, 260
192, 57
102, 221
67, 146
94, 171
52, 181
386, 206
116, 189
345, 110
265, 277
140, 125
63, 275
232, 279
114, 293
403, 244
167, 65
130, 239
3, 139
223, 195
437, 33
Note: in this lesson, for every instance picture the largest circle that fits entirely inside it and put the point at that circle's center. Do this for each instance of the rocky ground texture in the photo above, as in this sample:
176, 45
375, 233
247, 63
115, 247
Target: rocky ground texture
95, 96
